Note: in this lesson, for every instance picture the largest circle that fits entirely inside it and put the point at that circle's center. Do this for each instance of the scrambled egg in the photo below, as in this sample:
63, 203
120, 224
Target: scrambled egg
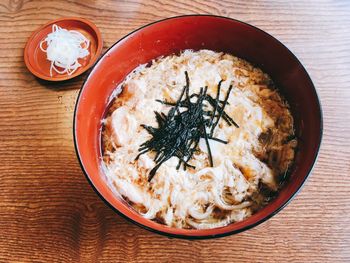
256, 155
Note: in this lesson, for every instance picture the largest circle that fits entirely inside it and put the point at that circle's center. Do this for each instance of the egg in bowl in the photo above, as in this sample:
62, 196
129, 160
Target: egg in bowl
235, 162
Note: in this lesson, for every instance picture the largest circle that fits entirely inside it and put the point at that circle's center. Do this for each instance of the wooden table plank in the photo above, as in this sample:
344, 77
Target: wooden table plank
48, 211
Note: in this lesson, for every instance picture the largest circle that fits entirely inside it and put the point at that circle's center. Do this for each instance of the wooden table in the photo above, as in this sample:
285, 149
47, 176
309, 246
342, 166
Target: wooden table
49, 212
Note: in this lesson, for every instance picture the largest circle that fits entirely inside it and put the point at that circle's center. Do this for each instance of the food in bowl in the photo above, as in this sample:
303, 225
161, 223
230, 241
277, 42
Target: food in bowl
64, 48
197, 140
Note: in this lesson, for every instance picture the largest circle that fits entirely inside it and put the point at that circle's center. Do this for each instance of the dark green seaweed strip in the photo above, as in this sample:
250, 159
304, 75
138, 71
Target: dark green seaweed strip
179, 132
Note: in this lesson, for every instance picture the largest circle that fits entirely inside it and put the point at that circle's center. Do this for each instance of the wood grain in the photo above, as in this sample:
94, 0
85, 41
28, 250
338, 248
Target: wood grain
48, 211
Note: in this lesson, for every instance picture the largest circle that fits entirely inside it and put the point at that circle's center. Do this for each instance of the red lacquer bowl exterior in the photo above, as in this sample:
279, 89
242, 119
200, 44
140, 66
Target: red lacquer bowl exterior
198, 32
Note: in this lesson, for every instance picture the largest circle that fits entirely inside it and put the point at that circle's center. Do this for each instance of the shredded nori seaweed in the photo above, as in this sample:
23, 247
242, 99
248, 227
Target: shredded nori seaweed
179, 132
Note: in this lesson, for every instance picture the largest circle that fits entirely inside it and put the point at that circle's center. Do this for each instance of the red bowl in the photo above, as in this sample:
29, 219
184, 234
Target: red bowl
196, 32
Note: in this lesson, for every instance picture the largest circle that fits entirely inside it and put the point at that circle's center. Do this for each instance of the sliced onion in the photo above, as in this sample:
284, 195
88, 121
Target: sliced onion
64, 48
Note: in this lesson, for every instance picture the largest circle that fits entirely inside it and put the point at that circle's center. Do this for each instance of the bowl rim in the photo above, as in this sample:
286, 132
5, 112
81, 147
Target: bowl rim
197, 237
93, 59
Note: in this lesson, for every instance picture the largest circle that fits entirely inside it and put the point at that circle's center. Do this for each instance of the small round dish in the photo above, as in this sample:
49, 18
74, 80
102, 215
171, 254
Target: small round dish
36, 60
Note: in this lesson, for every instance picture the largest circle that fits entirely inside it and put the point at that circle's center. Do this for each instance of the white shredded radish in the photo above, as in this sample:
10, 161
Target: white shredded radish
64, 48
